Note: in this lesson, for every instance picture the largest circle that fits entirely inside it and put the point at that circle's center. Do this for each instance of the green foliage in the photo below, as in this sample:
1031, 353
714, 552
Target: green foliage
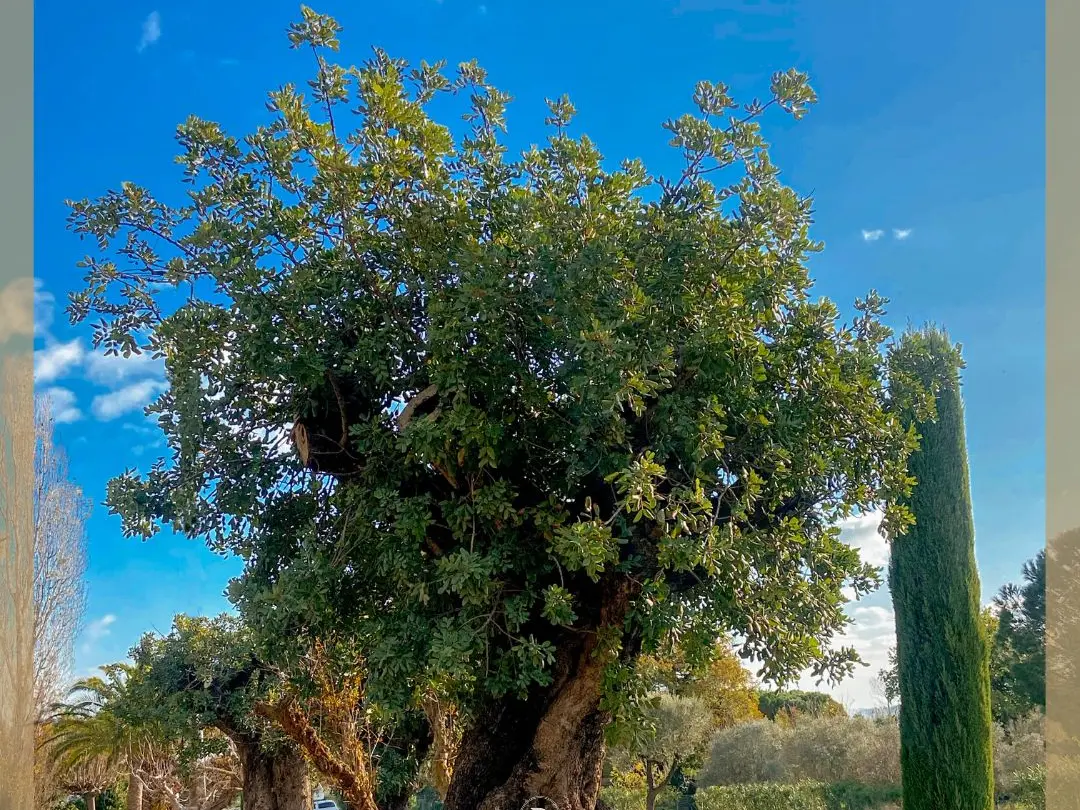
827, 749
622, 797
798, 703
721, 682
801, 796
1018, 665
1019, 750
106, 800
942, 649
521, 379
1030, 788
677, 729
204, 674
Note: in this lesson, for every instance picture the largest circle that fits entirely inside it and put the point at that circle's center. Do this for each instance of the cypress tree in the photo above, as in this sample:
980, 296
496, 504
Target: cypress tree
942, 649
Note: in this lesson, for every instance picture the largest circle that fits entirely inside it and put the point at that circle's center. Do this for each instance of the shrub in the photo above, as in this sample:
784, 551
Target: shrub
850, 750
1018, 750
800, 796
827, 750
1028, 788
622, 797
746, 754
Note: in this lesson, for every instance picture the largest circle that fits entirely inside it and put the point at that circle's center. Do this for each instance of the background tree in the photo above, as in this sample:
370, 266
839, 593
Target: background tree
88, 779
60, 514
204, 675
788, 705
724, 686
543, 414
1020, 643
97, 723
679, 728
890, 680
942, 647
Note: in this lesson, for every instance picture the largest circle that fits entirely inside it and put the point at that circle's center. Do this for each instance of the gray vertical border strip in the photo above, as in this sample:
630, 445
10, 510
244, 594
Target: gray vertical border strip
16, 403
1062, 401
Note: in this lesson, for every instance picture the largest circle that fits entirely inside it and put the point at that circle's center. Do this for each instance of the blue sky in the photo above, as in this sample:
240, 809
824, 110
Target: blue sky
930, 127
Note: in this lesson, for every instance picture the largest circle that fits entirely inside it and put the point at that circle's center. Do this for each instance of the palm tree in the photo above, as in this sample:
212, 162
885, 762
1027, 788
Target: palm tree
93, 728
100, 727
88, 778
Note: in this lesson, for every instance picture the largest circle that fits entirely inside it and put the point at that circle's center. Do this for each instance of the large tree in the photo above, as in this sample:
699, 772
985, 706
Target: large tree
942, 644
542, 412
204, 676
60, 513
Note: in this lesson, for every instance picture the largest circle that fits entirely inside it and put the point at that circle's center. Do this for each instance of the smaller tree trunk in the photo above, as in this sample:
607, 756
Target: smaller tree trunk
90, 800
653, 786
134, 793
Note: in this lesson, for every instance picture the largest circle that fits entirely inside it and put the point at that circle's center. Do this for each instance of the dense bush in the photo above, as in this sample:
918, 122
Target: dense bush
855, 750
623, 797
1027, 790
801, 796
746, 754
828, 750
1019, 749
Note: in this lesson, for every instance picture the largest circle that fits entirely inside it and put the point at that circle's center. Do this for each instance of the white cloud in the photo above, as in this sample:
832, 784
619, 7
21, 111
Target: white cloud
97, 630
142, 430
44, 308
17, 309
112, 369
872, 632
863, 532
63, 404
872, 236
56, 360
124, 400
151, 31
901, 233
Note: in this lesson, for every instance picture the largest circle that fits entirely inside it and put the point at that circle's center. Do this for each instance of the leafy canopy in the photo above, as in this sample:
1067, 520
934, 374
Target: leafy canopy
510, 379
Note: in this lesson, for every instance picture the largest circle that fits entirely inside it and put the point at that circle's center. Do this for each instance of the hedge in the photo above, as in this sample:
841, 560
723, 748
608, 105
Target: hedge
801, 796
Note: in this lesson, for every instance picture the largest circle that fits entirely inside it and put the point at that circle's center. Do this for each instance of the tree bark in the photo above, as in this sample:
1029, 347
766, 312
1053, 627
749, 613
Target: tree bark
552, 744
273, 781
134, 793
90, 800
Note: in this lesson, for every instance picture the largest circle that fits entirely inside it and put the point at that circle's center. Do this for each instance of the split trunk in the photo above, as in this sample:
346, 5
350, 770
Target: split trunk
546, 750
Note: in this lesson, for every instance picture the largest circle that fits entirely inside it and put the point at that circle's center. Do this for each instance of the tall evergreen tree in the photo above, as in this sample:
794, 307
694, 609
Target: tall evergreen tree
942, 648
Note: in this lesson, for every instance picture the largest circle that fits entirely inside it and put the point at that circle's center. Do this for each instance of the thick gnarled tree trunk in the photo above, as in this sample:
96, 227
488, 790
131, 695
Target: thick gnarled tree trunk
551, 745
276, 781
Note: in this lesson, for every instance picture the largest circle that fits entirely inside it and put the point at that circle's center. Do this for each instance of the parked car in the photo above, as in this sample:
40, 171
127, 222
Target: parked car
326, 804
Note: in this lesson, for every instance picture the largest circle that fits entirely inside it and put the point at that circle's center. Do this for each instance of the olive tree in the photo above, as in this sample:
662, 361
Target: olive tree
506, 421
